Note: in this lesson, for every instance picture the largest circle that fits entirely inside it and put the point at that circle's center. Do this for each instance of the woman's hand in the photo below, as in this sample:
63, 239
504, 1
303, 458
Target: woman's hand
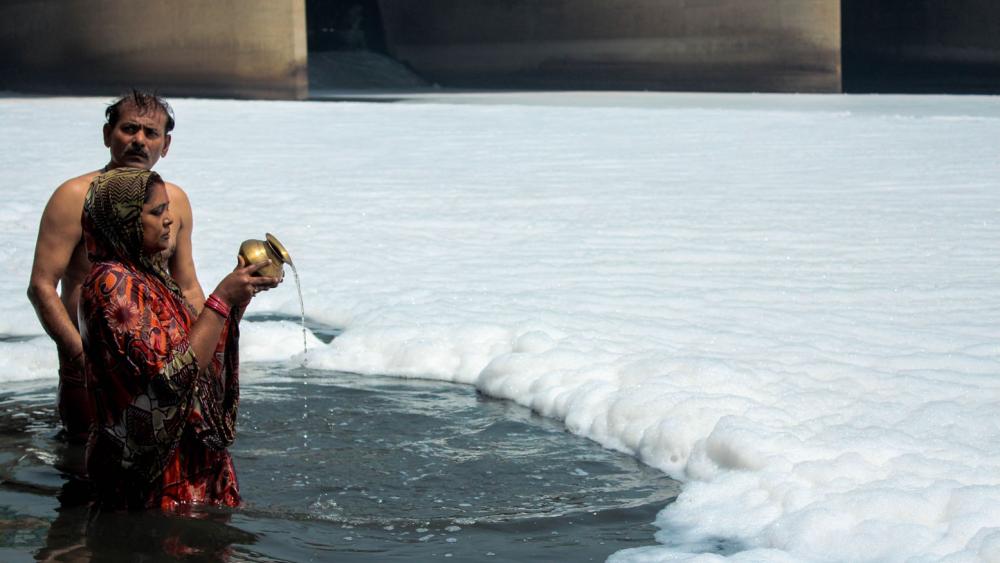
235, 291
241, 285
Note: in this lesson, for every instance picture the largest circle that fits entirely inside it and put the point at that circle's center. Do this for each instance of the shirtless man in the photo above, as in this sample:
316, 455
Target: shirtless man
137, 133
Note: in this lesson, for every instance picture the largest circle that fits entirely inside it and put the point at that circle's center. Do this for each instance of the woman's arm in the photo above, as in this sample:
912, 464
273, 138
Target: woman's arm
235, 290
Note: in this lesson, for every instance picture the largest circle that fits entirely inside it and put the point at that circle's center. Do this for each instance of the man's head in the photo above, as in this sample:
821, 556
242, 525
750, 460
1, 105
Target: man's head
138, 130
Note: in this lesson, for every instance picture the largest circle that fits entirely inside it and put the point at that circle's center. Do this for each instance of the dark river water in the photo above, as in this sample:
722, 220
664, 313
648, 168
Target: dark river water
340, 467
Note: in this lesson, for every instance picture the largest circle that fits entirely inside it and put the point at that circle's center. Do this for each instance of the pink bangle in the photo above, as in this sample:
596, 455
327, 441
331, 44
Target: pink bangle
216, 304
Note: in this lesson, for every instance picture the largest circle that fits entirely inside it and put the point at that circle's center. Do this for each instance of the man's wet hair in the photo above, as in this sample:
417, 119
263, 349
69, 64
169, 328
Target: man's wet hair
143, 101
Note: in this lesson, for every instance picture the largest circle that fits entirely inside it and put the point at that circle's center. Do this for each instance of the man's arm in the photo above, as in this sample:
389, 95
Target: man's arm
182, 262
59, 234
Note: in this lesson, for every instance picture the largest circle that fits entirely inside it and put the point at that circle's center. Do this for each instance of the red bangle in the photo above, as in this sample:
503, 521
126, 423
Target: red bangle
216, 304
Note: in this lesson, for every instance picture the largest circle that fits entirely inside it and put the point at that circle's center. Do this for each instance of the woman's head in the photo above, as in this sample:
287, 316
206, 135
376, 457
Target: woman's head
127, 217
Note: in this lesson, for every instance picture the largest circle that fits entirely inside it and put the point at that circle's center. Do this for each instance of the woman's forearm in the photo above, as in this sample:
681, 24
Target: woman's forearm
234, 292
204, 336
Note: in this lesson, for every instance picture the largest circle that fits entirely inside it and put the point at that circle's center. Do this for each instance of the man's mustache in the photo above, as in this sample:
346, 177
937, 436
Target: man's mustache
137, 152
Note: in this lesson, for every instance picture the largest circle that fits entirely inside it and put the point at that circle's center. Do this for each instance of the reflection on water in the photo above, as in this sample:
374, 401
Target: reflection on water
80, 533
381, 468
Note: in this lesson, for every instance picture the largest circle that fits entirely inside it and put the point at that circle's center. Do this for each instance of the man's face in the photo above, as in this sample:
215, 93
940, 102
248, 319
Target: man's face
137, 140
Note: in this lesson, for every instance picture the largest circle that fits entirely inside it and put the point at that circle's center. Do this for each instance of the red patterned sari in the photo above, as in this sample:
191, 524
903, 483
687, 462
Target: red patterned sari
163, 423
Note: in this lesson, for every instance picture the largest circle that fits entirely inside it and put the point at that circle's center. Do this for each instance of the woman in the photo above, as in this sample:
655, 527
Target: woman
164, 380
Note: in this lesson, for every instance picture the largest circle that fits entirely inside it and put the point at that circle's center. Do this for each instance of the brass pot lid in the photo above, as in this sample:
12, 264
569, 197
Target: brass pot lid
280, 248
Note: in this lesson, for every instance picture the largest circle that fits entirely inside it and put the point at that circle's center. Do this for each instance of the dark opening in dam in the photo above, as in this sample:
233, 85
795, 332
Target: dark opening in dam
920, 46
348, 51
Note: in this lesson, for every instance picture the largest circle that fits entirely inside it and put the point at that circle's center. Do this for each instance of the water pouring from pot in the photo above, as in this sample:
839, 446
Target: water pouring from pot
256, 251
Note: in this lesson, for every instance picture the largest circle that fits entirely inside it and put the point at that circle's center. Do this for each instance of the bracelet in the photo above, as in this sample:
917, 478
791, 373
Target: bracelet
216, 304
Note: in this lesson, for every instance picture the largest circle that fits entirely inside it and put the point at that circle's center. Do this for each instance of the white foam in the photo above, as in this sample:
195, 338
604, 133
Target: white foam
273, 341
789, 302
25, 360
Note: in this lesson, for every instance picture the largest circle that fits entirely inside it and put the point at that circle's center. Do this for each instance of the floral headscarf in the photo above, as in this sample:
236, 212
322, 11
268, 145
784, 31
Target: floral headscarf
112, 215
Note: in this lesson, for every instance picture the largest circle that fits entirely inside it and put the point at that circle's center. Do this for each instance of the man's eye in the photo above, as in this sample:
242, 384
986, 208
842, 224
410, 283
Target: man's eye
152, 133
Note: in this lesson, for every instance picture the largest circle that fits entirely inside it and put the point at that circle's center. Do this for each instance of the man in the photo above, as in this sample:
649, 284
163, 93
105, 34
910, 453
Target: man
137, 133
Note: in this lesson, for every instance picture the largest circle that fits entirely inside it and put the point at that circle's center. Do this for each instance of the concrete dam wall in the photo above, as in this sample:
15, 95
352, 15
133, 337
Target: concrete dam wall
720, 45
258, 48
241, 48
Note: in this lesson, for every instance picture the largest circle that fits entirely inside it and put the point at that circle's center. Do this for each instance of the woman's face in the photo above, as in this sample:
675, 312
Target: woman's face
156, 220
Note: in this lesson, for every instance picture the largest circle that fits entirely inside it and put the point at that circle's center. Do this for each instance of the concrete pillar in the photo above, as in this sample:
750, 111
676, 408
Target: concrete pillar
241, 48
721, 45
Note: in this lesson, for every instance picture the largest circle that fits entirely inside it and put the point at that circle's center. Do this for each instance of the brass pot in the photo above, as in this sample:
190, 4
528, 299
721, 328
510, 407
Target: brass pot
256, 251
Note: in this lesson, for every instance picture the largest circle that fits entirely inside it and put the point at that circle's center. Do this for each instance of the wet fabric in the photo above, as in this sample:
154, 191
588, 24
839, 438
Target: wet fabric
72, 401
162, 424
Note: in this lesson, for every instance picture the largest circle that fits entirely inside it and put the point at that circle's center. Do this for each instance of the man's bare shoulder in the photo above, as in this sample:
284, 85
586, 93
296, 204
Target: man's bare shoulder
70, 194
179, 201
77, 186
175, 191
